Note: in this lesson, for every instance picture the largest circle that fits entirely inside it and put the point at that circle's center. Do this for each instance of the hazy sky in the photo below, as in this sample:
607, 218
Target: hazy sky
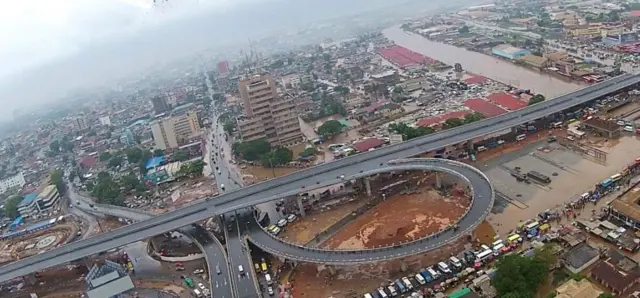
49, 47
36, 31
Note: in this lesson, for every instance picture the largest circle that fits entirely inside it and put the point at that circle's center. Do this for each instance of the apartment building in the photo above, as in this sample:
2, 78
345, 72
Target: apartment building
48, 197
81, 123
266, 114
16, 180
174, 130
29, 207
159, 104
33, 204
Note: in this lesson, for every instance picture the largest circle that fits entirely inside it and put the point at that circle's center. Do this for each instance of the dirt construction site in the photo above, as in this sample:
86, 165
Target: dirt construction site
415, 210
31, 244
420, 214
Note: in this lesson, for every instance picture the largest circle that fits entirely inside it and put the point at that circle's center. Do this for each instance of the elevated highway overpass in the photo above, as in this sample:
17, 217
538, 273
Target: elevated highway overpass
482, 202
309, 178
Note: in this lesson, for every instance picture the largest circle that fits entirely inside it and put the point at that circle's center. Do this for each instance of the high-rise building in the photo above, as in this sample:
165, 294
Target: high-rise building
267, 115
159, 104
223, 67
172, 131
127, 137
80, 123
164, 134
106, 121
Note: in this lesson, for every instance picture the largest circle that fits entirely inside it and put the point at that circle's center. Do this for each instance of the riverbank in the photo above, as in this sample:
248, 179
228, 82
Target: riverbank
478, 63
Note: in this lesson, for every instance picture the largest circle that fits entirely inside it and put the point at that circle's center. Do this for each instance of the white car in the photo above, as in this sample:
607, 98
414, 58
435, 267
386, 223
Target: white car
292, 218
201, 286
222, 187
270, 290
198, 271
281, 223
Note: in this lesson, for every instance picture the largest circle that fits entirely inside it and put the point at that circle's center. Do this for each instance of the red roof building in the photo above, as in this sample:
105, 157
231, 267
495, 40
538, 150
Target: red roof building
484, 107
368, 144
404, 57
507, 101
435, 120
88, 162
476, 80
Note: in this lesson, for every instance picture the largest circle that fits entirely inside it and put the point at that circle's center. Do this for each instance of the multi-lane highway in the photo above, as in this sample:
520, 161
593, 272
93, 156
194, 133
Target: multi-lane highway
318, 176
243, 282
483, 198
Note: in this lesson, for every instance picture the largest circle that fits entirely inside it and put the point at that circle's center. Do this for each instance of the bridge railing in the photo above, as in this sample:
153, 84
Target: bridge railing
430, 237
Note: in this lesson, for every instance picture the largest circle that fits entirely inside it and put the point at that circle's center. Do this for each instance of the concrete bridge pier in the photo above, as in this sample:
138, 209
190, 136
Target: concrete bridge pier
332, 269
403, 266
438, 180
301, 207
367, 185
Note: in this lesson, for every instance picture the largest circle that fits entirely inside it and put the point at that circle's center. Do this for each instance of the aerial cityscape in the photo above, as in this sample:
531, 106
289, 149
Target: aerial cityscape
445, 149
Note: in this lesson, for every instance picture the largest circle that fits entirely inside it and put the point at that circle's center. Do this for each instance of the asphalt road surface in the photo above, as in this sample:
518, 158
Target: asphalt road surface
244, 284
483, 199
307, 179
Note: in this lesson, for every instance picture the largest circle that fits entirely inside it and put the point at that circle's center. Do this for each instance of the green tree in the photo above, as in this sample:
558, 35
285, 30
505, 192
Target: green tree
115, 161
180, 155
206, 101
130, 181
453, 122
341, 89
55, 177
520, 276
536, 99
398, 90
278, 156
196, 167
158, 152
473, 117
107, 191
307, 152
464, 29
228, 127
104, 156
134, 155
409, 132
251, 150
11, 206
330, 128
54, 146
606, 295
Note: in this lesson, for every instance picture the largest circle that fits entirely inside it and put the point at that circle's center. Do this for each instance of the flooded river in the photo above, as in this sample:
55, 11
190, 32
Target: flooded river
482, 64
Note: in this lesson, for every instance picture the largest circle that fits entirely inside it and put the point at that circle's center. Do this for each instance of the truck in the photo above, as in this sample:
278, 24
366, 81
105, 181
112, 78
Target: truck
539, 177
426, 276
400, 286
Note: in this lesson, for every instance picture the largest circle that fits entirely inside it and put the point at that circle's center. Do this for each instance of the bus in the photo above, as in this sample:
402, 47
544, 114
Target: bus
532, 225
616, 177
514, 238
485, 255
264, 266
189, 282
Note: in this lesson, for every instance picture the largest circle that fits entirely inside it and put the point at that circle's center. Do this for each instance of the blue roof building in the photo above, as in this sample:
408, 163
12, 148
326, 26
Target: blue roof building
127, 137
29, 205
154, 162
509, 52
16, 223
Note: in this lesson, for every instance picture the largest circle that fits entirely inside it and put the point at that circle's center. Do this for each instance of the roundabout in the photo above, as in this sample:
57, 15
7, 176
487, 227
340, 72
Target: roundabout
482, 199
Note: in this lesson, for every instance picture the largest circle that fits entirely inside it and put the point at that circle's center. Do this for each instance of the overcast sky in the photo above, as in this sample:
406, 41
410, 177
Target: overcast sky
33, 32
50, 47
